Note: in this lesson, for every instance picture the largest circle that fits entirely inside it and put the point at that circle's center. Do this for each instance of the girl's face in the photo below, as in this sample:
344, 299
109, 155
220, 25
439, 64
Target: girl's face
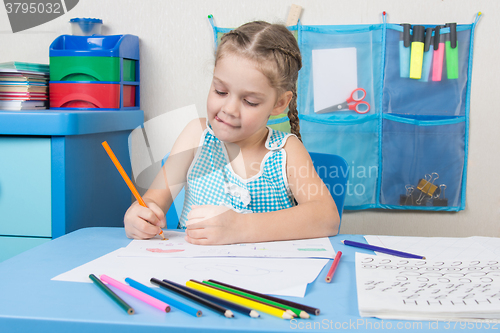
241, 100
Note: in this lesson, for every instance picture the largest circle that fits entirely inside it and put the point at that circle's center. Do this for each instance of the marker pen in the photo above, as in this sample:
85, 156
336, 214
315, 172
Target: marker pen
437, 63
417, 52
428, 52
452, 52
404, 51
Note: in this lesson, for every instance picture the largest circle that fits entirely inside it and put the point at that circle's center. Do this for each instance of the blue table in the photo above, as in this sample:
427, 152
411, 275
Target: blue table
31, 302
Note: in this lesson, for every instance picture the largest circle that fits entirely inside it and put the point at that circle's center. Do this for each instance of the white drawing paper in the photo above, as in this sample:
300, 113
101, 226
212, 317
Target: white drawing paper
443, 248
335, 76
399, 288
176, 246
284, 277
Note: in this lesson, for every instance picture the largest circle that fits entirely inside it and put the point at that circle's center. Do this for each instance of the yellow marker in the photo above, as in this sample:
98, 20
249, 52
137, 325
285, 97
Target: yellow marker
417, 52
258, 306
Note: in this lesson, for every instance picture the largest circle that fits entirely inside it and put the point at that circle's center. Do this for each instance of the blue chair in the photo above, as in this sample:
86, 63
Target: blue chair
333, 170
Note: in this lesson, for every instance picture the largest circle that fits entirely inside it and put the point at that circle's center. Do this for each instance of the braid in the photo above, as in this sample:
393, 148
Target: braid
291, 54
241, 38
294, 61
293, 114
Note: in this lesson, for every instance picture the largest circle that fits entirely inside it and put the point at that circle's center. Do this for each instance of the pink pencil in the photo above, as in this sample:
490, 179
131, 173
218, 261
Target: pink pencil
137, 294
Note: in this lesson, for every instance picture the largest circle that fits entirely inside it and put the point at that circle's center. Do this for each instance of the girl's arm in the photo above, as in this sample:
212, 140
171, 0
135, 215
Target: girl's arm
145, 222
315, 215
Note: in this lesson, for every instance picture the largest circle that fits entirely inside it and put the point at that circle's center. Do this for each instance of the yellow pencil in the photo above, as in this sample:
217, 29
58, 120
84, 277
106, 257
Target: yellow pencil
258, 306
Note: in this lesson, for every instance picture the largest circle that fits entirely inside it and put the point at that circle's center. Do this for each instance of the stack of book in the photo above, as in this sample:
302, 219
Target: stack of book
23, 86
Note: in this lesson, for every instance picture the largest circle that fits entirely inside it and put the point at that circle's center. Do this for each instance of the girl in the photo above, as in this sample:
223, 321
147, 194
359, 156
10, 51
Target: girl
244, 181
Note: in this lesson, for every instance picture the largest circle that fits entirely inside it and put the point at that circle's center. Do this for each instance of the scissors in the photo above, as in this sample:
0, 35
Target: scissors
354, 102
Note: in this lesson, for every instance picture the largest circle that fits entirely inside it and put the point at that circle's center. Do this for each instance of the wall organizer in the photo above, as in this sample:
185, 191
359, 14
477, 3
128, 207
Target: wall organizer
406, 141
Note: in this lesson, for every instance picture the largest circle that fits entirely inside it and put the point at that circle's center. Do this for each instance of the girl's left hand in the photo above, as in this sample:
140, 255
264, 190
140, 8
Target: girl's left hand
211, 225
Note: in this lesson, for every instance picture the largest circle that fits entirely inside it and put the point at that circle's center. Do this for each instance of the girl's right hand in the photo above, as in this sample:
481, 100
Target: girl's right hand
144, 222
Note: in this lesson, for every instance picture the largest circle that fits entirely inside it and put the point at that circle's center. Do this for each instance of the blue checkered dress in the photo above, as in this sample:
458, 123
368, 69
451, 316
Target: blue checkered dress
212, 181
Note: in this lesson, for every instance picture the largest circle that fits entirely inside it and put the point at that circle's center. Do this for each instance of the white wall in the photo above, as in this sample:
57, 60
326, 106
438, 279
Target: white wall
176, 62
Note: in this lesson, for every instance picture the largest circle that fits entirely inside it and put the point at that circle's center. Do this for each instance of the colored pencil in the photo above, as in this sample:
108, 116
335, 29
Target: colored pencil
215, 307
296, 312
153, 293
126, 178
233, 306
306, 308
272, 310
382, 249
130, 310
335, 263
136, 293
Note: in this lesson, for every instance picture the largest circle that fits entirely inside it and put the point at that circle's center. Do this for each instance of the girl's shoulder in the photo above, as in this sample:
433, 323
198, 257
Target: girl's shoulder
296, 153
197, 125
190, 136
195, 128
293, 144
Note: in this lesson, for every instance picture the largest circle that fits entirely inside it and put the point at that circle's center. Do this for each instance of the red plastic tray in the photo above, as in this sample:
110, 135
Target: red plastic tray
85, 95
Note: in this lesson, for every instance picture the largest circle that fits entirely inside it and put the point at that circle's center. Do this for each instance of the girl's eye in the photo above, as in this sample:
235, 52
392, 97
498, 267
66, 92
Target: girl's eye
222, 93
251, 104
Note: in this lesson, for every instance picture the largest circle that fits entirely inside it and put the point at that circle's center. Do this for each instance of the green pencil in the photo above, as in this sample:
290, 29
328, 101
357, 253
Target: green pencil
112, 295
297, 312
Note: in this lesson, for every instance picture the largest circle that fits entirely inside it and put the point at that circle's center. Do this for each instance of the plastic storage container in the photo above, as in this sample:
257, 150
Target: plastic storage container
97, 72
85, 26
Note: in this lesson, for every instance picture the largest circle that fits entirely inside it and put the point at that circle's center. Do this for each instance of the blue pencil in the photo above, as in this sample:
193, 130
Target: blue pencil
382, 249
151, 292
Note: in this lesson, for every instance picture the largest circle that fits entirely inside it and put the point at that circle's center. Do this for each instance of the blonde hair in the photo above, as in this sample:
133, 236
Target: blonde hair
274, 48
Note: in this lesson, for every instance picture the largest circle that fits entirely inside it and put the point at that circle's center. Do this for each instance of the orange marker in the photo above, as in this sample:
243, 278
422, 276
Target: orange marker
126, 178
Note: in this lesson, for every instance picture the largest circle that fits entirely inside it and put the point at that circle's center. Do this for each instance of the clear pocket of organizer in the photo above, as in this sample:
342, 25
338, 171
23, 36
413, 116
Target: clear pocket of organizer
356, 140
336, 60
422, 162
441, 89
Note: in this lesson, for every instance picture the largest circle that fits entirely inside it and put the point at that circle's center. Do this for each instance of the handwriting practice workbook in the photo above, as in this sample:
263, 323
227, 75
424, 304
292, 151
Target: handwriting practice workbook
399, 288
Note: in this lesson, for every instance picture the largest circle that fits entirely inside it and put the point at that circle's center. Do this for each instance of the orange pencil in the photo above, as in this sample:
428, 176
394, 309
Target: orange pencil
126, 178
333, 267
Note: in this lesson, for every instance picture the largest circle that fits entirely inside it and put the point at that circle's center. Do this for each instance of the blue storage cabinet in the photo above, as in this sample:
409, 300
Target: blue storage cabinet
55, 177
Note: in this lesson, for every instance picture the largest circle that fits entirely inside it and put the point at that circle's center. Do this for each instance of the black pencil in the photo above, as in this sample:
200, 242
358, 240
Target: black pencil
172, 286
222, 302
306, 308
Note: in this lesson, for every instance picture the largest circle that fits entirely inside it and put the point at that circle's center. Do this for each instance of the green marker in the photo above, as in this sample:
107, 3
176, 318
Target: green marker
451, 45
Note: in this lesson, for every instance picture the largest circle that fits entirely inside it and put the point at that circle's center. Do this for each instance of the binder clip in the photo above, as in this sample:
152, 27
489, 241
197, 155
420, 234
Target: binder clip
440, 200
407, 200
427, 188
